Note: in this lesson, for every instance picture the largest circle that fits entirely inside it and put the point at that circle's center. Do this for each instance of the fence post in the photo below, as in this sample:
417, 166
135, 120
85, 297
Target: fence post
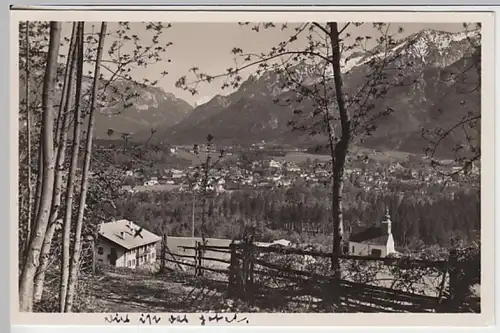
200, 257
196, 258
250, 283
454, 297
243, 271
232, 270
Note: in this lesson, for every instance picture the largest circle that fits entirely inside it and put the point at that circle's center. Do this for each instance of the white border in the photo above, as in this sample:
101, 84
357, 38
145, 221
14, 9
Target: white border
226, 14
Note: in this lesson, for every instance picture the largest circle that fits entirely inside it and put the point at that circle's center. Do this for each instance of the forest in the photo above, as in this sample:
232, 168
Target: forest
303, 214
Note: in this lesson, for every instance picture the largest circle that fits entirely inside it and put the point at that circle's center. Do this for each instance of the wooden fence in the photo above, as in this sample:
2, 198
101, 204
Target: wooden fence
198, 258
262, 276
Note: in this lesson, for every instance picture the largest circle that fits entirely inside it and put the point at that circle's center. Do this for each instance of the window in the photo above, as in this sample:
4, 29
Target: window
129, 263
109, 256
133, 262
376, 252
152, 255
352, 250
100, 250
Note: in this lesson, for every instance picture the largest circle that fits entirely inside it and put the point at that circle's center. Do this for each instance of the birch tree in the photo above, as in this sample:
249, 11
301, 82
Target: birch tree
30, 123
28, 133
63, 120
36, 241
71, 180
75, 260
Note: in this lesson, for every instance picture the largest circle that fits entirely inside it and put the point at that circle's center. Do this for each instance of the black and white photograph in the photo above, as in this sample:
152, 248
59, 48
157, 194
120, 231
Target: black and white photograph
230, 168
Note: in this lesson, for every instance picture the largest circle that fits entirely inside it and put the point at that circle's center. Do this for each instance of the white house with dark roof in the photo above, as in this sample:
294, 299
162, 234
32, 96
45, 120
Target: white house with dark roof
122, 243
376, 240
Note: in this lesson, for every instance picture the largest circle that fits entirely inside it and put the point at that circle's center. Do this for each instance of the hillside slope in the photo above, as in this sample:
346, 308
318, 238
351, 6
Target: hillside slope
148, 108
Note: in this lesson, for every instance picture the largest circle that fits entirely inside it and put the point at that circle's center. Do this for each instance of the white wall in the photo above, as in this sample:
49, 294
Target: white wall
128, 259
390, 245
360, 249
147, 256
103, 252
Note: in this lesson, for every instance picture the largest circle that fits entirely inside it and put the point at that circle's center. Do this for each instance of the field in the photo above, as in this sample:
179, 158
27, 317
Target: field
389, 156
154, 188
197, 159
382, 157
298, 157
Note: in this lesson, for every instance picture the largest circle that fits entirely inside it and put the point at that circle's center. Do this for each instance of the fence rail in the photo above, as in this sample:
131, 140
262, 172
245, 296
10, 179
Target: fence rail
250, 276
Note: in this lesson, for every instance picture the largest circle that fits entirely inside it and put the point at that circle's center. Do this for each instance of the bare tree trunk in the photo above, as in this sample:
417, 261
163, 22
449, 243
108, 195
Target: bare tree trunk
71, 178
28, 137
39, 185
340, 150
205, 184
62, 138
192, 215
36, 241
75, 260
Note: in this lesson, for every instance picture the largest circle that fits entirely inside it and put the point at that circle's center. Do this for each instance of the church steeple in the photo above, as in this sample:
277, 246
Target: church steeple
386, 222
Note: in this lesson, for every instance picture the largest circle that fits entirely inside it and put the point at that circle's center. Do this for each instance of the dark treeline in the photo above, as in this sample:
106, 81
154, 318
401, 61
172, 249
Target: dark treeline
298, 212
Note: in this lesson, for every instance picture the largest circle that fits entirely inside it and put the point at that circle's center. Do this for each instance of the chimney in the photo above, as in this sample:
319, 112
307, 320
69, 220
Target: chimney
386, 223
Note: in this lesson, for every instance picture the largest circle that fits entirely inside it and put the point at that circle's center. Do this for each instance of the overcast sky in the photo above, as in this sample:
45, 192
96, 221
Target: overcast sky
208, 46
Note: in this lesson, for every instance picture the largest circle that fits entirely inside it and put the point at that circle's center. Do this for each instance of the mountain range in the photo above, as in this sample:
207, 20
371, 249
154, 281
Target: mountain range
438, 78
437, 90
149, 107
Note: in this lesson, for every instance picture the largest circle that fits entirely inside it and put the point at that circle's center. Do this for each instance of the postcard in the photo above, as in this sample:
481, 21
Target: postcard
179, 166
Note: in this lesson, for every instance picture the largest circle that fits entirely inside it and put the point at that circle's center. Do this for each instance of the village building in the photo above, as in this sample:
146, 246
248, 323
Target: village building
152, 182
274, 164
122, 243
376, 240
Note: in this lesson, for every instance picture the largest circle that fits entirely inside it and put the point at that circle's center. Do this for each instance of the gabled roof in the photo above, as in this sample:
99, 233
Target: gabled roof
123, 233
382, 240
375, 235
371, 235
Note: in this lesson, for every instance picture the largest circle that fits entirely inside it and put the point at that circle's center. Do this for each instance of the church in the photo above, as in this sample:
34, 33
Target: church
376, 240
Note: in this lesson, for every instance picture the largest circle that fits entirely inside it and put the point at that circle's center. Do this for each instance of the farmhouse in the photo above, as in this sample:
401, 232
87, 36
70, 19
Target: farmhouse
375, 240
124, 244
